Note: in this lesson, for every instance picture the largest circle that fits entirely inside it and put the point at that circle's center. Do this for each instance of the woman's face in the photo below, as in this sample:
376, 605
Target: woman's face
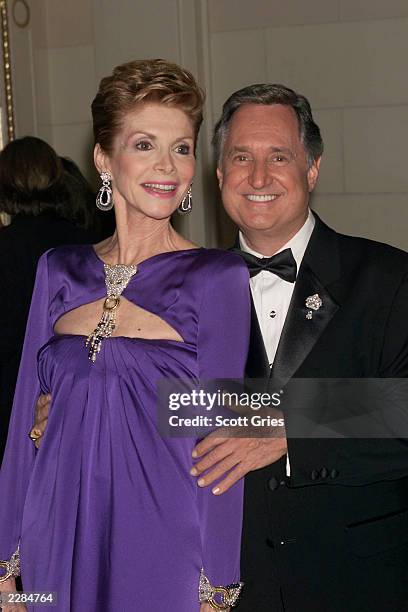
152, 163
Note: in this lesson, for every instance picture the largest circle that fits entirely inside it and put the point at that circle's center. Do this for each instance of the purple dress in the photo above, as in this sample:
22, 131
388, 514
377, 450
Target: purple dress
106, 512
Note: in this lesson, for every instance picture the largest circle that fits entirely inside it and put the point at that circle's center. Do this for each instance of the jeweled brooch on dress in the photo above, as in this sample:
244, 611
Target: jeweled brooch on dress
117, 278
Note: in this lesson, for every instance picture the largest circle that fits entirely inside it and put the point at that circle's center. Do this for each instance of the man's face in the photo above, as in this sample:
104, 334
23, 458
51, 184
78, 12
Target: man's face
263, 175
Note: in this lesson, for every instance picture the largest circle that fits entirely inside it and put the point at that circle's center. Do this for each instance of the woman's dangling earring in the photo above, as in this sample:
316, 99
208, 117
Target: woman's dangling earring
104, 199
186, 203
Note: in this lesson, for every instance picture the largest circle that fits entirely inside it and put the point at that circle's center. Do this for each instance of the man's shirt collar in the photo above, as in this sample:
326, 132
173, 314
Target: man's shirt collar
297, 243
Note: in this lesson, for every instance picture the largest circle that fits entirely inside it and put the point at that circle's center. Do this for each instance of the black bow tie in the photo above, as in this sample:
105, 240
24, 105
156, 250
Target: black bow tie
282, 264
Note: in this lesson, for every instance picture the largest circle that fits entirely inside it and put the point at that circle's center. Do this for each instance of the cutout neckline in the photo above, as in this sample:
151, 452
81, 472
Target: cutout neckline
148, 259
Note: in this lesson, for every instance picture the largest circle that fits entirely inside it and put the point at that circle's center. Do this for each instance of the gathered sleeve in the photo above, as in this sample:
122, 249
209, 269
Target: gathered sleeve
20, 451
223, 339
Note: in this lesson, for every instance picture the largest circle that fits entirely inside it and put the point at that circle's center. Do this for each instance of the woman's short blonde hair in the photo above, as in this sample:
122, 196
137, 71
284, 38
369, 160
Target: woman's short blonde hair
143, 81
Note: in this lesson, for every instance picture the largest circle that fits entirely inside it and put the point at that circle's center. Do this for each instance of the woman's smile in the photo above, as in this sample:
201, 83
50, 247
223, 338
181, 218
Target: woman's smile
160, 190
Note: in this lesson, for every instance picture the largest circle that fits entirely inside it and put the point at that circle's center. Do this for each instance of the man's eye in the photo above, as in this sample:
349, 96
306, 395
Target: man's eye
240, 158
183, 149
143, 145
281, 159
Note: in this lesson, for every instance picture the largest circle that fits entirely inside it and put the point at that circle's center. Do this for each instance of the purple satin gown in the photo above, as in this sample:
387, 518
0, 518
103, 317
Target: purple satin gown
106, 512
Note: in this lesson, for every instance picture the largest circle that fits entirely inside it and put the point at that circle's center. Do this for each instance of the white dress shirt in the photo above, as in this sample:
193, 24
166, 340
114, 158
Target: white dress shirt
272, 294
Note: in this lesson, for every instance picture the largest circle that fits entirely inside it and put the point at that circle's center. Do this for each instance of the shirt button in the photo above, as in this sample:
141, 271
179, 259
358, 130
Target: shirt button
272, 314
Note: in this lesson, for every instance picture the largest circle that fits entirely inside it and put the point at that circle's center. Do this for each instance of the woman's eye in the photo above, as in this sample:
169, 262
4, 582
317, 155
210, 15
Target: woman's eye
183, 149
143, 145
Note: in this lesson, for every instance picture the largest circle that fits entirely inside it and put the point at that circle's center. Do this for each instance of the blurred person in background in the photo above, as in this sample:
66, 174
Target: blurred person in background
50, 204
82, 204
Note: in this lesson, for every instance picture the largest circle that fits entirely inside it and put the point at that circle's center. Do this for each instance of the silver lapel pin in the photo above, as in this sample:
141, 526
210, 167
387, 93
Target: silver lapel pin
313, 302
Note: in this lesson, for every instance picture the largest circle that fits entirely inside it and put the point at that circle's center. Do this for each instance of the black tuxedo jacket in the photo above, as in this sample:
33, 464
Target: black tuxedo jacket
334, 536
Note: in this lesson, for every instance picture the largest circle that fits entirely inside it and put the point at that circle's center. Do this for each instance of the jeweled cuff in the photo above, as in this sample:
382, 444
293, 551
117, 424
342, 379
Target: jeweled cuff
218, 597
11, 567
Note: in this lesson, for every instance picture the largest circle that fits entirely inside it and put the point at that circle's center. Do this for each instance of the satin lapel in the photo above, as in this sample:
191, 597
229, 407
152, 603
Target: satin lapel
257, 365
300, 334
319, 270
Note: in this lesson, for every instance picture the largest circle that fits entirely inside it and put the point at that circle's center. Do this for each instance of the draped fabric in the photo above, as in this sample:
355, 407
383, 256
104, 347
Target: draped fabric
107, 513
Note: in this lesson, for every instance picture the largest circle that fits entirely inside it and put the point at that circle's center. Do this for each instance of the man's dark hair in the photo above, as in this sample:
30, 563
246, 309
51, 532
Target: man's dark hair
269, 94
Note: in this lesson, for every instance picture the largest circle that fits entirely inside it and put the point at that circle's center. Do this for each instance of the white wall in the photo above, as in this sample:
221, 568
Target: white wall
54, 75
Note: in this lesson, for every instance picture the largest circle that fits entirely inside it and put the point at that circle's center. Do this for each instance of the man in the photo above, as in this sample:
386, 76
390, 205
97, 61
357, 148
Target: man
325, 521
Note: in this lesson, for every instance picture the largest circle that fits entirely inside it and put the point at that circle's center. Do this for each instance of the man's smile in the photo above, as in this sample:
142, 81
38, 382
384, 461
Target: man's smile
266, 197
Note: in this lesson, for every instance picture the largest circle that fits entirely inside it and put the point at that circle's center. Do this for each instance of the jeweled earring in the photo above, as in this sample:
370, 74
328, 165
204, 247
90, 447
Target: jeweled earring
186, 203
104, 199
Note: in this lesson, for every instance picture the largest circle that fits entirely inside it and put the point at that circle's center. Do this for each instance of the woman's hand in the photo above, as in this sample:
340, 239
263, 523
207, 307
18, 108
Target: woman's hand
207, 608
41, 416
10, 586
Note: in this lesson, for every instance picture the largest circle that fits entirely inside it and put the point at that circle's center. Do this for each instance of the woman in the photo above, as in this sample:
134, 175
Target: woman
107, 514
36, 191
